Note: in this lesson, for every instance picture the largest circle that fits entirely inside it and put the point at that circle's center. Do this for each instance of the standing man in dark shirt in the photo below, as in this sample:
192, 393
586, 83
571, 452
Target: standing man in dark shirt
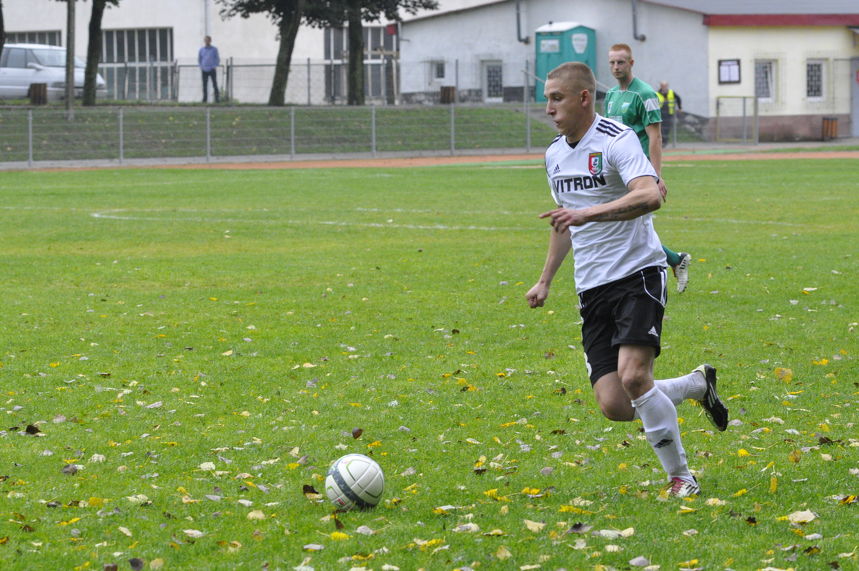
671, 106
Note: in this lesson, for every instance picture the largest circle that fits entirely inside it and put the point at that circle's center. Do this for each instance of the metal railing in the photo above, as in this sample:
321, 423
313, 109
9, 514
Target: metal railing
131, 135
324, 82
737, 119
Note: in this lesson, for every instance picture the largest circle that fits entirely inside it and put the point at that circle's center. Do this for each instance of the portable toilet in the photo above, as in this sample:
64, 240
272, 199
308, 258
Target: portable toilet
559, 42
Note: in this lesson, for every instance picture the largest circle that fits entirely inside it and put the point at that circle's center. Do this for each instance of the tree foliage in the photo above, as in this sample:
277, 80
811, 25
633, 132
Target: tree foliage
353, 13
287, 16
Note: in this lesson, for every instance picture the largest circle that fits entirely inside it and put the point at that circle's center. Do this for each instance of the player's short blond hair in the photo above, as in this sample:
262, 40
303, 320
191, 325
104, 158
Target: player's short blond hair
575, 73
621, 48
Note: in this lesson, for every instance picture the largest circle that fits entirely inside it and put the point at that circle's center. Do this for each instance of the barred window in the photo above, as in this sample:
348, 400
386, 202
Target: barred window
380, 42
814, 79
765, 80
137, 46
137, 63
50, 38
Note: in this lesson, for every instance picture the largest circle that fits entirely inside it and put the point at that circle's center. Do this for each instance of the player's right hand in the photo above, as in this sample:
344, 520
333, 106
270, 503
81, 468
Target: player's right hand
537, 295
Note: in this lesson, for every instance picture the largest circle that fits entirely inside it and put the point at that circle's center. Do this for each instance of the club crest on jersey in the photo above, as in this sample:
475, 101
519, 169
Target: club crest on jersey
595, 163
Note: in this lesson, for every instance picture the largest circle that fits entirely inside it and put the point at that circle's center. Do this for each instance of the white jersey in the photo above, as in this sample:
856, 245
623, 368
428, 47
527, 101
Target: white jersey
597, 171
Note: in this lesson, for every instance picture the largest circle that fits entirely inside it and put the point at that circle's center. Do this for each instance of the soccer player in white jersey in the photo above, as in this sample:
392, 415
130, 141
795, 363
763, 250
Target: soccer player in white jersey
605, 190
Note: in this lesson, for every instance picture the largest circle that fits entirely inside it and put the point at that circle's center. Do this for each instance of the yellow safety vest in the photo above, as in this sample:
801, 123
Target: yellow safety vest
671, 101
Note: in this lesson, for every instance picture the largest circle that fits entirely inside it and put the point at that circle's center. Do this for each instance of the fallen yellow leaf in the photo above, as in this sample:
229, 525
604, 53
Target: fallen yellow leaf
784, 374
573, 509
534, 526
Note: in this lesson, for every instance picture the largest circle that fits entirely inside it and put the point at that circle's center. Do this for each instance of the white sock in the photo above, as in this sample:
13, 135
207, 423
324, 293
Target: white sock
691, 386
660, 427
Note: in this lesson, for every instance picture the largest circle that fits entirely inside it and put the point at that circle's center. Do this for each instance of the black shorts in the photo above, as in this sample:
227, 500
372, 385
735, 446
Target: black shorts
628, 311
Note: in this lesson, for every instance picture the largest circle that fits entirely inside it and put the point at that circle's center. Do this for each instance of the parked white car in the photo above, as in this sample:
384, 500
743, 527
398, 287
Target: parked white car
22, 65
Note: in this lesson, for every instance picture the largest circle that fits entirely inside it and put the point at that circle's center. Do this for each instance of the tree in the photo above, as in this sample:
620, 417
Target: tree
2, 28
286, 15
334, 13
93, 51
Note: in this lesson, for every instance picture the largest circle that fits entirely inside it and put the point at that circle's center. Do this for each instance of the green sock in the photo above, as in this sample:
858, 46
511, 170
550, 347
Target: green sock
673, 257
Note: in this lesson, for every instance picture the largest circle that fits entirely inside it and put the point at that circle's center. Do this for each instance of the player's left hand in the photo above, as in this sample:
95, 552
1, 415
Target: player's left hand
663, 190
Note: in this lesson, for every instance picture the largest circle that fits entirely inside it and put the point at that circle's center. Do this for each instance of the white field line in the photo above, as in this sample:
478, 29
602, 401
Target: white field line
115, 214
202, 216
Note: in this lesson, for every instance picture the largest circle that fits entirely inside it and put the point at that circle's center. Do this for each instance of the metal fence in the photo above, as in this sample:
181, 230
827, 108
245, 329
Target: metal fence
737, 119
249, 81
324, 82
131, 135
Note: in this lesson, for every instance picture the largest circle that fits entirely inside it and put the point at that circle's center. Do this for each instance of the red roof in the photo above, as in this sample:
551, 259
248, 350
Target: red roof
759, 20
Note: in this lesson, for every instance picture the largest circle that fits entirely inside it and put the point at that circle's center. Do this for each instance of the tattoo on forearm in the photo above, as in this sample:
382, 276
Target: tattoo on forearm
619, 213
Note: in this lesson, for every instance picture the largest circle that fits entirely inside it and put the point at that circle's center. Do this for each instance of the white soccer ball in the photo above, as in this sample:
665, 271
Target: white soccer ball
354, 480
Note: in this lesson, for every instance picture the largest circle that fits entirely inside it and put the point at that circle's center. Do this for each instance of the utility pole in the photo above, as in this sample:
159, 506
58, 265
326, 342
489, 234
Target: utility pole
70, 58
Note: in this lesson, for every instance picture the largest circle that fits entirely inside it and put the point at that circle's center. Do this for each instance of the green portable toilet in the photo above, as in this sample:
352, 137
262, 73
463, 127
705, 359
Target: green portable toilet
558, 42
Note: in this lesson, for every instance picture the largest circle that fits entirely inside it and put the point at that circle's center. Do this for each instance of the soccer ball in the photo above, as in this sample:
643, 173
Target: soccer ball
354, 480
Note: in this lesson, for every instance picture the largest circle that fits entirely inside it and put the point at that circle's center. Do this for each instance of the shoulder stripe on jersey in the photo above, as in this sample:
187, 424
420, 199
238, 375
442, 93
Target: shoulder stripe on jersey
651, 104
610, 126
609, 129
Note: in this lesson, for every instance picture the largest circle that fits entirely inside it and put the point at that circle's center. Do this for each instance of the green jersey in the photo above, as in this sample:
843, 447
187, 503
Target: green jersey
637, 107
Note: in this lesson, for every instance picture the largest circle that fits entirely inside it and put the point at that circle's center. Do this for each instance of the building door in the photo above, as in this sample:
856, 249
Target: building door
493, 84
854, 108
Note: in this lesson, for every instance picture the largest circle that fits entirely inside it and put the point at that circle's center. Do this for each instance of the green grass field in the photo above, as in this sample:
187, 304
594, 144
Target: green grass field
185, 353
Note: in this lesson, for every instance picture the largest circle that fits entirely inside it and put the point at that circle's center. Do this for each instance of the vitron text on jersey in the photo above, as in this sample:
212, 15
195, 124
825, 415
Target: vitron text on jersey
575, 183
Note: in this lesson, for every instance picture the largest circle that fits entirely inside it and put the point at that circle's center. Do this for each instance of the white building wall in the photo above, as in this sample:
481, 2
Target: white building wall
790, 48
675, 48
463, 40
252, 38
242, 41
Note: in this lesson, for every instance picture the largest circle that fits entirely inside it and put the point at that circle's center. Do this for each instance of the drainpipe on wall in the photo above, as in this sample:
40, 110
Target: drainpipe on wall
206, 19
635, 34
526, 39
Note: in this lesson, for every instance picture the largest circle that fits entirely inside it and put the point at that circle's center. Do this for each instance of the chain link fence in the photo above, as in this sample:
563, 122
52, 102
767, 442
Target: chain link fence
324, 82
131, 135
737, 119
312, 82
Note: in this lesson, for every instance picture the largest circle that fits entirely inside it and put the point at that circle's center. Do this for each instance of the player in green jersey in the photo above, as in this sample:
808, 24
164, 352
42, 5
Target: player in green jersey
634, 103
